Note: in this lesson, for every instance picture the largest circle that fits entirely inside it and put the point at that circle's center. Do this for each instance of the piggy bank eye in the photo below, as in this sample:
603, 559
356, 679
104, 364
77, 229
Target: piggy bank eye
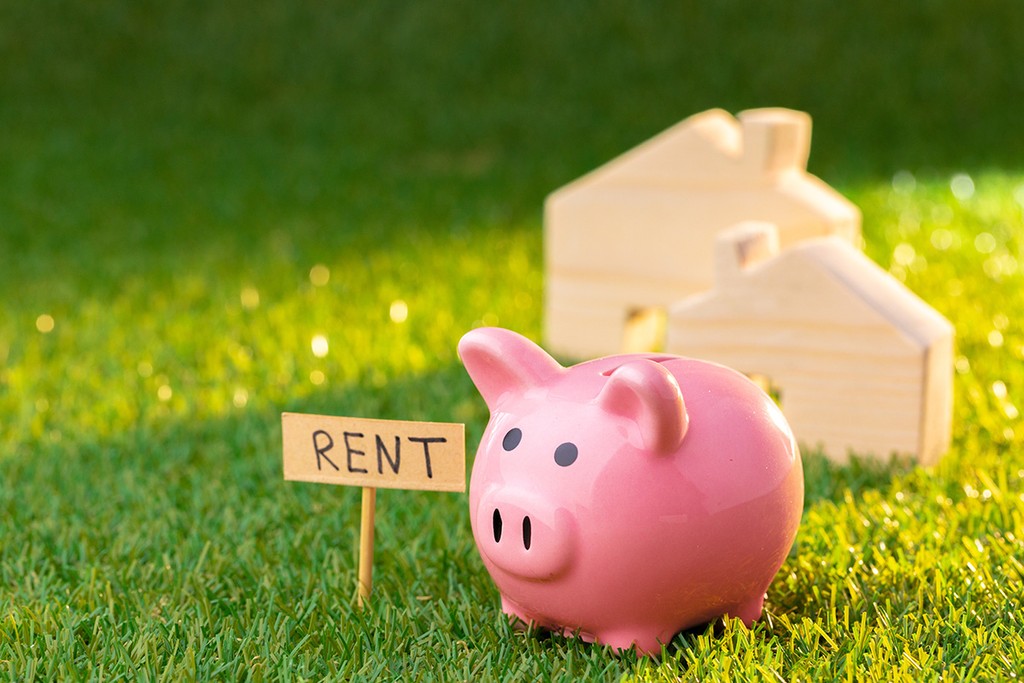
512, 439
566, 454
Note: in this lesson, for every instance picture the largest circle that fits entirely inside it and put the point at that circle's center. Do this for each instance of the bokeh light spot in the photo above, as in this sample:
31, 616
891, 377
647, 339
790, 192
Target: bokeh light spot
999, 389
250, 298
319, 346
904, 254
942, 239
399, 311
962, 186
45, 323
999, 265
903, 182
319, 275
985, 243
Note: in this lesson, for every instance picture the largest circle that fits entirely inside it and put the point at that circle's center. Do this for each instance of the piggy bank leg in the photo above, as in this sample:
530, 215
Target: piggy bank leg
516, 616
646, 642
749, 612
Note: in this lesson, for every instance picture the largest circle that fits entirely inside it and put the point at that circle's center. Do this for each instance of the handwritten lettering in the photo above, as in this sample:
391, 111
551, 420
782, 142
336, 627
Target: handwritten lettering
381, 450
374, 453
426, 449
321, 451
352, 451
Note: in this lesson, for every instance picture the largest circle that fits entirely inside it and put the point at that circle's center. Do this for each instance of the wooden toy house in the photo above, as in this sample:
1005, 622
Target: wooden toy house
637, 234
860, 363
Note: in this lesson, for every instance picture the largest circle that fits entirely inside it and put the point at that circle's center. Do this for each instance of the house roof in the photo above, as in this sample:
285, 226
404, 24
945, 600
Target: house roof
882, 292
712, 148
825, 274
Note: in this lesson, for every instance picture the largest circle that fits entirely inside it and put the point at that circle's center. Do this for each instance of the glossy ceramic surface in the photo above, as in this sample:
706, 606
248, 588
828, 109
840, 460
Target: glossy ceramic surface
624, 499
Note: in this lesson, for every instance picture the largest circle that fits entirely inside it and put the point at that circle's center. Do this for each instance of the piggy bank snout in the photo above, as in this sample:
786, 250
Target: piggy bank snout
524, 535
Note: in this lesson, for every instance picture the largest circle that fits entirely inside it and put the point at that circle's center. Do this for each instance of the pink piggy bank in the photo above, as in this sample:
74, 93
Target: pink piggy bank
625, 499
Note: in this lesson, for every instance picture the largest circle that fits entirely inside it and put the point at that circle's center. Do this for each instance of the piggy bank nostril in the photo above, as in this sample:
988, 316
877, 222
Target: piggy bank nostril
527, 532
496, 523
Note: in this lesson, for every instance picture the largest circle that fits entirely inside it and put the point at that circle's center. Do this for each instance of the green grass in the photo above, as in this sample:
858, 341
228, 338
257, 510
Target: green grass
170, 173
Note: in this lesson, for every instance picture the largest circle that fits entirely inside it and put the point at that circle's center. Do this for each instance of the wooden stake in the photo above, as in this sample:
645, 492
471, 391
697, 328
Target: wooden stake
366, 544
436, 461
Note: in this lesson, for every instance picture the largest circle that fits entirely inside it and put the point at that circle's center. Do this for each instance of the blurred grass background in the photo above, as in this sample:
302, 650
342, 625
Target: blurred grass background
191, 192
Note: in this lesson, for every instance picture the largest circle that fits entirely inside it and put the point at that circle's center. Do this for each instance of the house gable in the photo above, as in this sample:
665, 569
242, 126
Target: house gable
884, 294
822, 283
711, 149
638, 233
861, 362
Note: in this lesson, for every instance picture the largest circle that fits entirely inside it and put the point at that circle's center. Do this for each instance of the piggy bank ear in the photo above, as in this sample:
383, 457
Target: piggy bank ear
501, 362
648, 394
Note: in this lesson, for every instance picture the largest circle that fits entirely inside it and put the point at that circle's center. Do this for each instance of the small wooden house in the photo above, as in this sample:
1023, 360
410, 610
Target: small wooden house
860, 363
638, 233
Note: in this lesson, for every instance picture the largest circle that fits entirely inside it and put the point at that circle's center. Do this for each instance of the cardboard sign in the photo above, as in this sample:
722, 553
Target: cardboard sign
395, 454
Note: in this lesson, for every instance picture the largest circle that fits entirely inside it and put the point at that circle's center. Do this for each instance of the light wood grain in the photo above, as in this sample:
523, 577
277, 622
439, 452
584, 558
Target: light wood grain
396, 454
639, 232
367, 516
861, 363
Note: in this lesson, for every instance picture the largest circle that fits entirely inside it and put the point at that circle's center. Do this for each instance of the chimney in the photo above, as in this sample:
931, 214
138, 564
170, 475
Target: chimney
742, 246
775, 141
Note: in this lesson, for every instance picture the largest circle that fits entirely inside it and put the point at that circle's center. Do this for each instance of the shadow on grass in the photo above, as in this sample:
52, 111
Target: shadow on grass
165, 136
